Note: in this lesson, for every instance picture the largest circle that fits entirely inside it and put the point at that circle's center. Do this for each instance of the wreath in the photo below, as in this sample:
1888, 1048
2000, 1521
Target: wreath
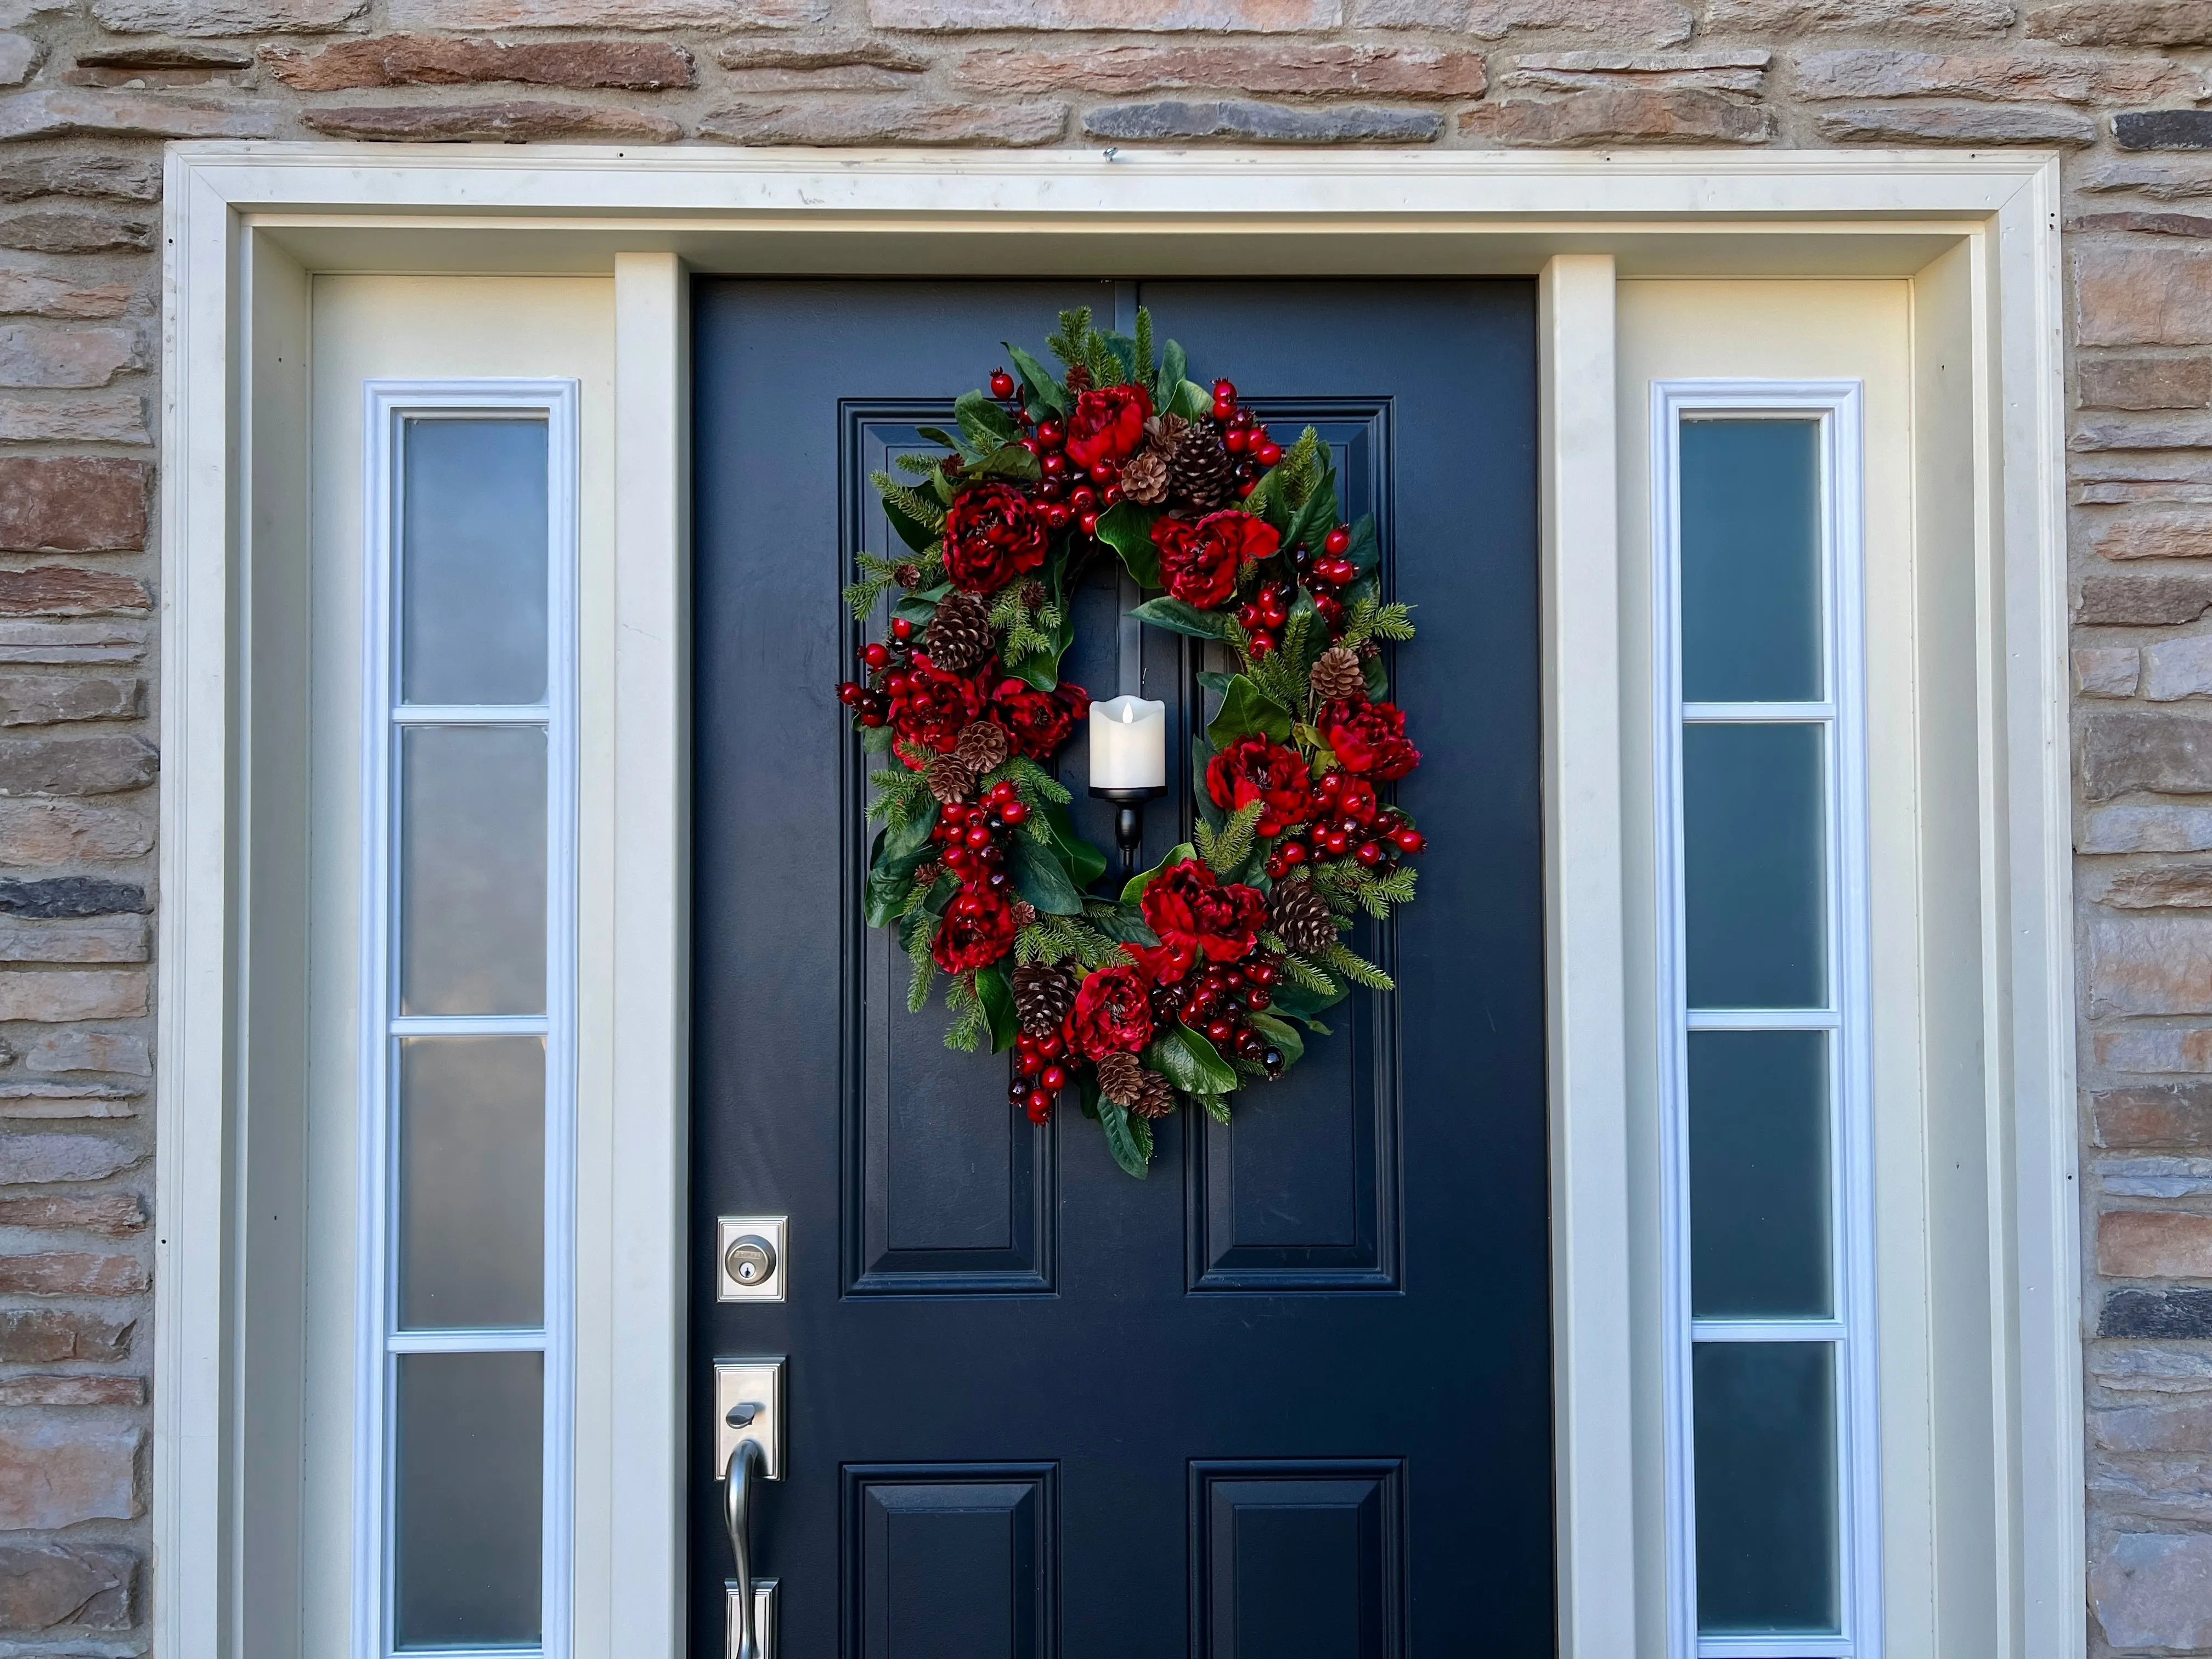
1208, 971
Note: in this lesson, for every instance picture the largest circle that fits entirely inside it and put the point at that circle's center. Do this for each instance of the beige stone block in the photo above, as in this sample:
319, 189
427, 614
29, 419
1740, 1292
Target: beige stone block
2102, 671
402, 60
2164, 536
2005, 77
35, 354
1317, 68
1628, 22
57, 1473
2155, 1049
26, 293
2154, 1244
61, 995
453, 16
70, 1272
106, 939
2125, 296
516, 121
2146, 829
64, 112
117, 417
1619, 115
843, 119
2150, 965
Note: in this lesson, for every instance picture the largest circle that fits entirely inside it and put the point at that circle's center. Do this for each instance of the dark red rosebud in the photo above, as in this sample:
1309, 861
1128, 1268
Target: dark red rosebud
1258, 768
978, 928
1038, 722
1368, 738
1202, 563
1108, 424
934, 708
1113, 1013
993, 533
1197, 914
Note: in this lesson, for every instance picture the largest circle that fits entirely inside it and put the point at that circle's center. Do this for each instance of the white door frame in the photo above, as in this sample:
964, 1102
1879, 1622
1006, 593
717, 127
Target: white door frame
248, 225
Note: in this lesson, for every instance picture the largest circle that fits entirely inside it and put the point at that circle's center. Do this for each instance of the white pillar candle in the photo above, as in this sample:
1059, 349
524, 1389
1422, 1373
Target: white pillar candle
1128, 745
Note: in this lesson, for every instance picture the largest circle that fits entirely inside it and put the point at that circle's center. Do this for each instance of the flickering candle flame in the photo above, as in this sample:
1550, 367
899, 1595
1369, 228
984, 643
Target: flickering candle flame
1128, 745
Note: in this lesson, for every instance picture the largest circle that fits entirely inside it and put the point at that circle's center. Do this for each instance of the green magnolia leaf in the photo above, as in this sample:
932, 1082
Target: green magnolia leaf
1377, 678
1133, 888
915, 534
1040, 878
1125, 352
1366, 550
1201, 754
1192, 401
1178, 617
1219, 683
1087, 1083
1114, 1120
1281, 1033
1010, 461
1140, 1131
983, 420
1042, 673
1127, 528
1174, 368
1043, 386
1186, 1060
877, 739
1246, 710
1123, 927
1085, 862
1297, 1002
1316, 518
899, 851
997, 993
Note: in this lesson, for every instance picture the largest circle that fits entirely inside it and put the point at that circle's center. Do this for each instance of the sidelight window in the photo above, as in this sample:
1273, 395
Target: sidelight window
1764, 1069
467, 1041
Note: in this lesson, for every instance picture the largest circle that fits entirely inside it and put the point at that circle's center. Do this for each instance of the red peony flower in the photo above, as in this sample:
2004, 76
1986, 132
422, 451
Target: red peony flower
1258, 768
1038, 722
993, 533
977, 930
1368, 738
1196, 915
932, 707
1201, 562
1108, 424
1113, 1013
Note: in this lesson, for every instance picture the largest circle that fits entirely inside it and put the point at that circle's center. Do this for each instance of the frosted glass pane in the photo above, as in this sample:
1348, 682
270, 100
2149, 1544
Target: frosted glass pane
1751, 561
1754, 878
472, 870
472, 1182
467, 1509
1759, 1175
472, 543
1765, 1422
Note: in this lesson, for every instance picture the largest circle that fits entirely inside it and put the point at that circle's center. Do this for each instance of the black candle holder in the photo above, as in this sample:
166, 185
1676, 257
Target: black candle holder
1129, 822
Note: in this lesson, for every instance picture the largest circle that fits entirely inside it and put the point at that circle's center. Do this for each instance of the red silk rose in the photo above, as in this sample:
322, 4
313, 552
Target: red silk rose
993, 533
977, 930
1108, 424
1258, 768
1368, 738
932, 707
1200, 562
1113, 1013
1038, 722
1196, 915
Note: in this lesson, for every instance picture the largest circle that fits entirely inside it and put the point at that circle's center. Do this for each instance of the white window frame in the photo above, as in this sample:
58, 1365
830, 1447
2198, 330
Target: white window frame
388, 405
1836, 406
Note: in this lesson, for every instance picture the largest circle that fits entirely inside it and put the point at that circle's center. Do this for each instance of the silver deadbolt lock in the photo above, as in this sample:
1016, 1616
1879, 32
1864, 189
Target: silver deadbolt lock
749, 1259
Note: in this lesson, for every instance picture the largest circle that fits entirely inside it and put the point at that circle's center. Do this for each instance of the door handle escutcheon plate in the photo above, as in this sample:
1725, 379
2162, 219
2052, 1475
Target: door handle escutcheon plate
757, 1383
764, 1618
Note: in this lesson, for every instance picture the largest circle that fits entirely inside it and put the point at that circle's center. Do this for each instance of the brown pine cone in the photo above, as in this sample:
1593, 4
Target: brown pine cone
1121, 1078
1144, 477
1023, 912
1043, 996
1078, 378
1337, 674
1301, 917
983, 746
950, 779
1201, 474
1156, 1096
907, 575
1034, 595
958, 636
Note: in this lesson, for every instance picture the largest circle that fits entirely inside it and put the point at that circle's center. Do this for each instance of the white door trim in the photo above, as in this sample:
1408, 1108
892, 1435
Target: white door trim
246, 224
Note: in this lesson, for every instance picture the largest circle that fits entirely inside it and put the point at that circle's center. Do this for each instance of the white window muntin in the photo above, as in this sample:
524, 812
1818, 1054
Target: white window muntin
1836, 406
387, 718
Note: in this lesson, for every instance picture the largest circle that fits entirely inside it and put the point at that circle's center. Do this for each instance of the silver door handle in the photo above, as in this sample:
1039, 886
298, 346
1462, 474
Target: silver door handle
744, 1468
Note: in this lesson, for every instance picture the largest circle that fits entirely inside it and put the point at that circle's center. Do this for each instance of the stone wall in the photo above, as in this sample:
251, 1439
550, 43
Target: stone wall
88, 88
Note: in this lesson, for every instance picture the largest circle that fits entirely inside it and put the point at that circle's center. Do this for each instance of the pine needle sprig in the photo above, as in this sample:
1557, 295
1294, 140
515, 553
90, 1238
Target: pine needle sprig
924, 465
970, 1021
1028, 634
909, 501
1061, 938
1147, 365
899, 794
1251, 1068
1299, 474
1229, 850
1379, 893
1338, 881
1354, 967
1217, 1106
1300, 970
878, 576
1067, 344
925, 968
1031, 781
1371, 621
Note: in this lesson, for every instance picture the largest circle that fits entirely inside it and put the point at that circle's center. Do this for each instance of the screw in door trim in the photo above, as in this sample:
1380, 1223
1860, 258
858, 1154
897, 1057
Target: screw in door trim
752, 1263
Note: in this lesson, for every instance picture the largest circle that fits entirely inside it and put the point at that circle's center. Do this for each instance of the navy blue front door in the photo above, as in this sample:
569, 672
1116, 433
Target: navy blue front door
1290, 1395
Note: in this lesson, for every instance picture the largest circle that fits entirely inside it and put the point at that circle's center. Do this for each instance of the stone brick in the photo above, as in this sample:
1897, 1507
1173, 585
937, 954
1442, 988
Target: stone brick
88, 1051
1954, 124
2154, 1590
69, 230
112, 939
71, 641
117, 1215
42, 1100
2164, 599
1629, 23
2154, 1244
44, 1586
2147, 1368
161, 60
1147, 16
2192, 432
2145, 224
1246, 121
2146, 829
1572, 71
44, 1336
2125, 296
56, 1473
1621, 115
2174, 669
2125, 23
68, 1273
2154, 1049
2101, 671
2166, 181
1875, 17
63, 897
836, 78
25, 293
516, 121
404, 60
18, 55
117, 417
2153, 1428
2161, 886
2169, 1114
68, 1391
75, 766
34, 356
51, 699
60, 111
1882, 72
84, 994
35, 832
1316, 67
2150, 965
2163, 129
815, 52
72, 504
840, 120
647, 15
65, 590
2167, 536
224, 17
2154, 1177
39, 1160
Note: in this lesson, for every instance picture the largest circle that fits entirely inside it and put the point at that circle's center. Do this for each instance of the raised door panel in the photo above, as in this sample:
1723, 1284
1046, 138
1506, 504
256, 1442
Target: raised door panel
1298, 1557
950, 1562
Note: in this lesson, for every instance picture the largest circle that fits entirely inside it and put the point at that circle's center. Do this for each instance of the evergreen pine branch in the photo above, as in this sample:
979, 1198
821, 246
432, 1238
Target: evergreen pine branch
1300, 969
1146, 363
1038, 943
898, 793
1217, 1106
877, 575
1228, 852
1369, 620
919, 507
923, 464
1251, 1068
1105, 368
1338, 881
1067, 344
925, 969
1299, 471
1354, 967
1031, 781
917, 757
969, 1022
1396, 888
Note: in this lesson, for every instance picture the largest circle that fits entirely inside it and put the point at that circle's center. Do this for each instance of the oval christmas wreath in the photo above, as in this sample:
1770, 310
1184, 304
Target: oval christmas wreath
1201, 973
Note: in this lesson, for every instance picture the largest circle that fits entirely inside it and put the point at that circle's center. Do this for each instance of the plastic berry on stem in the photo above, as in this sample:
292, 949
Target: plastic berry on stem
902, 629
1337, 543
1268, 453
1051, 434
1002, 384
876, 654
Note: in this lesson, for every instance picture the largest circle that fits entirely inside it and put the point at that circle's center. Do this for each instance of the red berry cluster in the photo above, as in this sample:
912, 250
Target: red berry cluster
975, 833
1348, 822
871, 702
1041, 1072
1214, 1000
1067, 492
1244, 436
1262, 614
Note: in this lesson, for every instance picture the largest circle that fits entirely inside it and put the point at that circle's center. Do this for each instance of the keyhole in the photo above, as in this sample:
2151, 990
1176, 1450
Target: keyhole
749, 1259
